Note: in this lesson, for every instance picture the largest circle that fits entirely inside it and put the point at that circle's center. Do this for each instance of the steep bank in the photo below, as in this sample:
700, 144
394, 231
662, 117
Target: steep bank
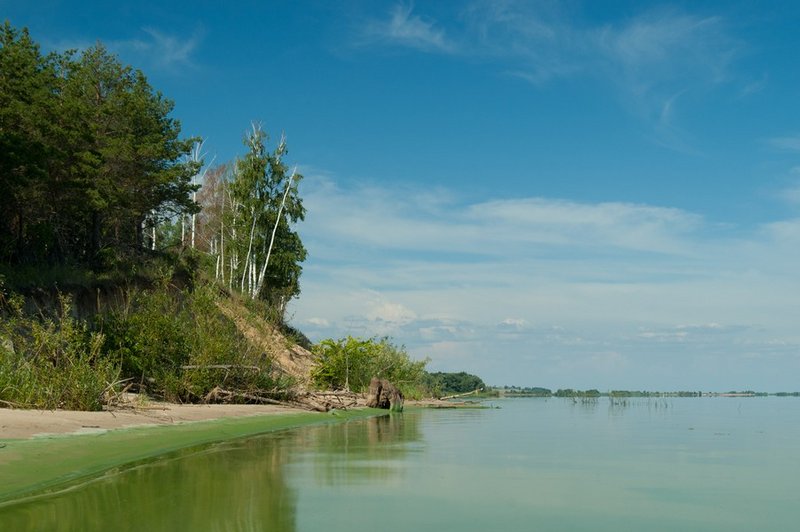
81, 347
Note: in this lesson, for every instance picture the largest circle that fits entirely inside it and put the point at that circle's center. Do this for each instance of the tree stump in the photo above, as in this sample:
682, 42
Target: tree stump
383, 394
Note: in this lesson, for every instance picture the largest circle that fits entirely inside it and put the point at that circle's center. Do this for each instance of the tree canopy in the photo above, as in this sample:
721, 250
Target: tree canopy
89, 155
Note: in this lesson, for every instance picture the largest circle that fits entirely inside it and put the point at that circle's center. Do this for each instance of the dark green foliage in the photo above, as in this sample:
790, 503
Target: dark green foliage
535, 391
149, 340
453, 383
89, 156
171, 344
350, 363
569, 392
52, 363
177, 345
94, 186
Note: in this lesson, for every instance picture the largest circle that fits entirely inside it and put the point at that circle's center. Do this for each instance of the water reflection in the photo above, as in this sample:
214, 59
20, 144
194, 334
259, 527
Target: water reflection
364, 451
236, 486
240, 485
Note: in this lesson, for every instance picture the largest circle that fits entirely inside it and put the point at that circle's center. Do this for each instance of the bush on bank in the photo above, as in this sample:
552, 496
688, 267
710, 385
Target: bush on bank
349, 363
171, 344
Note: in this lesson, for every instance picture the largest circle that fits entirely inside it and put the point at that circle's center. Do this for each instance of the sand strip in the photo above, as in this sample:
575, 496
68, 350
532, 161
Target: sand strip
16, 424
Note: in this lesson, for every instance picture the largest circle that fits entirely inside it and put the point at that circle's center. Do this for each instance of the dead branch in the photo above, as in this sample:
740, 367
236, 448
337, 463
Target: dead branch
459, 395
221, 366
218, 393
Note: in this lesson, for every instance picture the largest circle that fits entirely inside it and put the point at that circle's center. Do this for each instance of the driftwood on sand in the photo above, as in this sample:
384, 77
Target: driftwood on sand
316, 401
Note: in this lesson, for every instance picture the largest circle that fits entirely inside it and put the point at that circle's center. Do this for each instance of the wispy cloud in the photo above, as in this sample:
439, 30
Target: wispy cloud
153, 48
404, 28
667, 45
171, 50
650, 59
788, 143
399, 221
162, 49
549, 285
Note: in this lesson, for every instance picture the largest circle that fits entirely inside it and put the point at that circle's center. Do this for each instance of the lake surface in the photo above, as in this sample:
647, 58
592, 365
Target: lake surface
532, 464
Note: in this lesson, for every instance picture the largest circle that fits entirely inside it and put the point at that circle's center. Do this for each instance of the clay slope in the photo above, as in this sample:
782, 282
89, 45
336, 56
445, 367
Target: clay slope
288, 358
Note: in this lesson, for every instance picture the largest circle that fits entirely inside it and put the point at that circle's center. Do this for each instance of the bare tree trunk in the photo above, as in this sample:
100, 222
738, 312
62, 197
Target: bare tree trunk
249, 250
222, 243
260, 283
194, 199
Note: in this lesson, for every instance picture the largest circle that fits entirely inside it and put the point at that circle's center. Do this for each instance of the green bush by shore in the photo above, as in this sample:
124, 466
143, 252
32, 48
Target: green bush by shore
171, 344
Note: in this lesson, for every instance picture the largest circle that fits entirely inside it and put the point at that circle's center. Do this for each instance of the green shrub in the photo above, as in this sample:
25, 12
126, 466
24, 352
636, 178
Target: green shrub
52, 363
350, 363
220, 355
149, 339
179, 346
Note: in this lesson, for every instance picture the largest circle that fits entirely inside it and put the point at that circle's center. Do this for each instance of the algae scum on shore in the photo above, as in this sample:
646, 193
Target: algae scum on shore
38, 464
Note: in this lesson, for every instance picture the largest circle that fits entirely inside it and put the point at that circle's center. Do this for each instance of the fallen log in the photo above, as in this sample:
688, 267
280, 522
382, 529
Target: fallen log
473, 392
221, 366
218, 393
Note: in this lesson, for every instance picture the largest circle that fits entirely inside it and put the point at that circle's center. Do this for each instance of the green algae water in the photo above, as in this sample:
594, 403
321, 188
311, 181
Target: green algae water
532, 464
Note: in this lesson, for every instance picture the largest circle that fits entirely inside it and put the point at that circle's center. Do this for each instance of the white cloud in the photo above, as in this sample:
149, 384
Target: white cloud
319, 322
403, 28
390, 313
515, 323
462, 283
393, 220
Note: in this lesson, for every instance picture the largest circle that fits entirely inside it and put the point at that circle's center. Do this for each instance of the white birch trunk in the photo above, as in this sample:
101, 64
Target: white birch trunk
260, 283
222, 244
249, 249
194, 199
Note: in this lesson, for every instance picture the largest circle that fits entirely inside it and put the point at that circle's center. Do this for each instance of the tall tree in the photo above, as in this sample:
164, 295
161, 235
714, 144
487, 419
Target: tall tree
89, 155
248, 211
139, 171
29, 88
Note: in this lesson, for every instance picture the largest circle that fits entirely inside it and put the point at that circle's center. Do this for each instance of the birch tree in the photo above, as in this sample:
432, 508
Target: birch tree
265, 202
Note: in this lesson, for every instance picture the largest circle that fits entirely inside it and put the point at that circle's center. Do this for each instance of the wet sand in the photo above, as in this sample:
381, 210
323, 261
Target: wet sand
22, 424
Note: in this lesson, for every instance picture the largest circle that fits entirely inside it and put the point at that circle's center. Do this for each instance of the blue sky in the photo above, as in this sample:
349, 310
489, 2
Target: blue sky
565, 194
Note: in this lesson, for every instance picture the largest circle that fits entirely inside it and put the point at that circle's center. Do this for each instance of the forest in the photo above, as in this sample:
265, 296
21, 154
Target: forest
96, 176
128, 262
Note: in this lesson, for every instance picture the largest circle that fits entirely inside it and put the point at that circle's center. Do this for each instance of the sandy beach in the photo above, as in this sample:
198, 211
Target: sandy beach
22, 424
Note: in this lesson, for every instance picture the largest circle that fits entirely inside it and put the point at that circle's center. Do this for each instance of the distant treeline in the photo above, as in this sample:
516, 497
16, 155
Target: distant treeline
441, 383
516, 391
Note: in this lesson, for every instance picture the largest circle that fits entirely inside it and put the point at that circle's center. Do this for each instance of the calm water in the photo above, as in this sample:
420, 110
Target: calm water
533, 464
